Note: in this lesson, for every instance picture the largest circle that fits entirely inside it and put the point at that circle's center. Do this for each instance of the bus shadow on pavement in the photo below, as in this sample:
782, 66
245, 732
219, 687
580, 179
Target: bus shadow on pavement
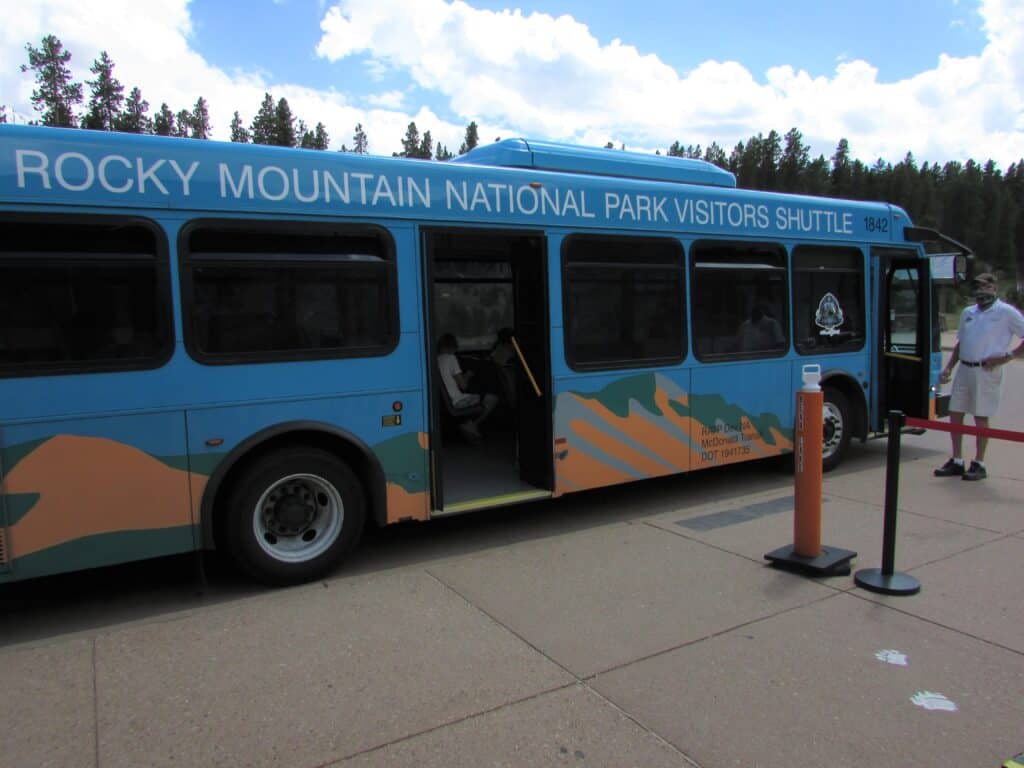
92, 600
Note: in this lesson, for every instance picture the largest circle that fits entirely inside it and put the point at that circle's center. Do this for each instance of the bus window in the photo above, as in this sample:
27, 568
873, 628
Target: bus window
623, 302
257, 292
473, 298
828, 298
78, 297
739, 300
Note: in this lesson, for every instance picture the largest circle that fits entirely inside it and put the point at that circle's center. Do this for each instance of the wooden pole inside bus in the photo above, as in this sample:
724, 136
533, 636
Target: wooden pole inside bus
806, 554
522, 361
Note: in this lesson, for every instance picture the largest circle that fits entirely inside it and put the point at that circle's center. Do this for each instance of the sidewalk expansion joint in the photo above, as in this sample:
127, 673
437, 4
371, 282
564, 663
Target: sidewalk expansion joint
583, 682
956, 630
711, 636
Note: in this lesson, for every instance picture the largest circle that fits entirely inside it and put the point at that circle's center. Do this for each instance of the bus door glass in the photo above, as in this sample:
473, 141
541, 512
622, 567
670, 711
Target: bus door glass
904, 311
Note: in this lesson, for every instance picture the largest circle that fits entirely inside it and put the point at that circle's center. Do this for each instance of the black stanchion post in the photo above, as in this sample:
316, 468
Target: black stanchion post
885, 580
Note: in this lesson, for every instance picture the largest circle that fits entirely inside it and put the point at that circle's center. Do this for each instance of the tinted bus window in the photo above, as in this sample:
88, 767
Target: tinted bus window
262, 292
473, 298
623, 302
78, 297
739, 300
828, 298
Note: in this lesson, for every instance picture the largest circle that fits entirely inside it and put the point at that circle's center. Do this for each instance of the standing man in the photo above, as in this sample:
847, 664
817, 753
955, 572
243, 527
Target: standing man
986, 330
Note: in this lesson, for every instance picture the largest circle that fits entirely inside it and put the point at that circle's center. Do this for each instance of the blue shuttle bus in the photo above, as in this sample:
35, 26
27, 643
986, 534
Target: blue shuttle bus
210, 345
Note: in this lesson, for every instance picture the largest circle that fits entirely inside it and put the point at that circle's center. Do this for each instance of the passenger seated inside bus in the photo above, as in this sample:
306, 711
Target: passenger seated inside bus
503, 355
471, 407
760, 331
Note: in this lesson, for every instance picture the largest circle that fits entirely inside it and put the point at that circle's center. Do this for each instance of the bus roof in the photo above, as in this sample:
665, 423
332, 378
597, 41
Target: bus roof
568, 158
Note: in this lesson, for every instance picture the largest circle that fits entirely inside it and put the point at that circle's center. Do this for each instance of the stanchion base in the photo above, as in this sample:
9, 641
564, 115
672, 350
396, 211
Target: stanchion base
897, 583
831, 562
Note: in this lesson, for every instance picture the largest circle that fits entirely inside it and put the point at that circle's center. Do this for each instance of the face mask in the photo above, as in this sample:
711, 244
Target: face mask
985, 299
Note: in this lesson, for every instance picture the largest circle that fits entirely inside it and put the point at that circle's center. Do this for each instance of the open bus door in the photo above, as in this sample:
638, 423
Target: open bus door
903, 352
479, 282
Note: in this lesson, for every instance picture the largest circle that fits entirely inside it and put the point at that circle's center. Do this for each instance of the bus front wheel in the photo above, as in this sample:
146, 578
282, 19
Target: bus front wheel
293, 515
836, 427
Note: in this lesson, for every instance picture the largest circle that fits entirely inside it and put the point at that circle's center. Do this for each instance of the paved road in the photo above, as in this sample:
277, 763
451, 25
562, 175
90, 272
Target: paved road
635, 626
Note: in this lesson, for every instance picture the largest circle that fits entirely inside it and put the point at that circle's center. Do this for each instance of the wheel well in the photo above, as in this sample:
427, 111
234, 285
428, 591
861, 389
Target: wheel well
362, 464
855, 397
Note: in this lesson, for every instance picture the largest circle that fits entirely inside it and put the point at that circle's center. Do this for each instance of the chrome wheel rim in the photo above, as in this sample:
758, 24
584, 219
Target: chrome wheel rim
832, 430
298, 518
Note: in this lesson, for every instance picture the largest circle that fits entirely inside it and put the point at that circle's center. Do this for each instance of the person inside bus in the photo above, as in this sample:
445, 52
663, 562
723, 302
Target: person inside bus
459, 387
760, 331
503, 355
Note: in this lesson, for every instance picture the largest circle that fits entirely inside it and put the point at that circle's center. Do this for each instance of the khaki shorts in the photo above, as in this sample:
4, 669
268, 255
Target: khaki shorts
975, 390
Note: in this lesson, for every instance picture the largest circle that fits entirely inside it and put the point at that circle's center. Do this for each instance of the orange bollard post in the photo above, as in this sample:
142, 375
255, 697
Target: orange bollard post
806, 554
810, 402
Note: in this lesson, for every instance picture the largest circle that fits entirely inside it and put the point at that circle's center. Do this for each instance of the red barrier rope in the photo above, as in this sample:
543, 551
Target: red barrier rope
941, 426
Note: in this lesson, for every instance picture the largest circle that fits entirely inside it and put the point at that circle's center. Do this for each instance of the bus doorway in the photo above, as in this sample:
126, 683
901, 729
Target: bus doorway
487, 291
904, 341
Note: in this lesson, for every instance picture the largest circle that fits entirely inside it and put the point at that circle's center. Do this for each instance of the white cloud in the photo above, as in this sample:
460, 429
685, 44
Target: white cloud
152, 49
389, 99
538, 75
551, 77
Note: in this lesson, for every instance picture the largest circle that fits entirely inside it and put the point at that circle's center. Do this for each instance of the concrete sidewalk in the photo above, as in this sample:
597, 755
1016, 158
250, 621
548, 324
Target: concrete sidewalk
651, 638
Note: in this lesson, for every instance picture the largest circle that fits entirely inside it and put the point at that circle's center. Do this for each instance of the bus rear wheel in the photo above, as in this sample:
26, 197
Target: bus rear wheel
836, 426
293, 516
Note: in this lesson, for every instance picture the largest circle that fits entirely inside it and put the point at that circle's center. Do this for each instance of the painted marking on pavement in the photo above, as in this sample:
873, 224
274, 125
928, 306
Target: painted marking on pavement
933, 701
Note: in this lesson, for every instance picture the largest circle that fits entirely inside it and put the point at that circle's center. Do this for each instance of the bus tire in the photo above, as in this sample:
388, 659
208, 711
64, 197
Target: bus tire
837, 428
293, 515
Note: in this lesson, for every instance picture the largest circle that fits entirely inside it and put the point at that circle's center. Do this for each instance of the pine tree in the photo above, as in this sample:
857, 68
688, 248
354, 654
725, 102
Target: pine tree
715, 154
360, 143
106, 96
57, 96
239, 134
284, 125
183, 124
841, 171
793, 162
471, 140
134, 118
3, 113
200, 122
442, 153
320, 138
426, 150
163, 123
768, 169
263, 125
411, 142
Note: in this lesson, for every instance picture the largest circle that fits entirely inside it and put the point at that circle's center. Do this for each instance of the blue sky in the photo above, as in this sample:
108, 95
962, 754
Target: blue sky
943, 79
900, 38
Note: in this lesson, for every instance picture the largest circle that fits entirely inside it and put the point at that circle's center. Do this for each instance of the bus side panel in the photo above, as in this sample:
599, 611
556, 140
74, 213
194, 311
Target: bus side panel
82, 493
742, 411
396, 439
619, 427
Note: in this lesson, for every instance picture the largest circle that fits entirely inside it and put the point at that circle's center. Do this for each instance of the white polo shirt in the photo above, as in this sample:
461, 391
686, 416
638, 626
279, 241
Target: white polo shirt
449, 368
988, 333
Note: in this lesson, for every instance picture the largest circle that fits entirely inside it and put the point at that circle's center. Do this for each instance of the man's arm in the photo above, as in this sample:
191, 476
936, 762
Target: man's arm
954, 358
994, 362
